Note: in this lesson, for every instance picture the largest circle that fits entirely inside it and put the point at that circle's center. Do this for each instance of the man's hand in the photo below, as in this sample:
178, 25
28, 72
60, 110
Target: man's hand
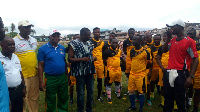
42, 86
149, 75
188, 82
85, 59
164, 70
24, 91
169, 33
94, 58
69, 82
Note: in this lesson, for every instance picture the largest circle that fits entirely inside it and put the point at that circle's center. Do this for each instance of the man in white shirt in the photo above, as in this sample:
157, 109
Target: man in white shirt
14, 77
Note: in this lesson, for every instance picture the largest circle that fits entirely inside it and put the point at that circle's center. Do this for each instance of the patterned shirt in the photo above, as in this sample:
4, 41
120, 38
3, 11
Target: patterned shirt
82, 50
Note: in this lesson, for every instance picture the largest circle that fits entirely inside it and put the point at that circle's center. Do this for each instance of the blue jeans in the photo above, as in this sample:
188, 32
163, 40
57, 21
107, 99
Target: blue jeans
87, 80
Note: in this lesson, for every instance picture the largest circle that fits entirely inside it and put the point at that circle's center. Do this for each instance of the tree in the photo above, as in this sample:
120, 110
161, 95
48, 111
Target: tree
70, 36
12, 29
6, 29
13, 34
33, 31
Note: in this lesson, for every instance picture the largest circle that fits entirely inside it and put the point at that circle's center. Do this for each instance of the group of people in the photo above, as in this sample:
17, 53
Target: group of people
172, 68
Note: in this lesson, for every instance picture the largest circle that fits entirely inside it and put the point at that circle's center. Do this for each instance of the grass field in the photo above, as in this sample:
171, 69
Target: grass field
116, 106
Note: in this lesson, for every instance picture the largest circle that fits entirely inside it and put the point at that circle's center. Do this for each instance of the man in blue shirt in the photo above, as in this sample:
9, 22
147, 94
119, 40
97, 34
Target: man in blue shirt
51, 60
82, 67
4, 96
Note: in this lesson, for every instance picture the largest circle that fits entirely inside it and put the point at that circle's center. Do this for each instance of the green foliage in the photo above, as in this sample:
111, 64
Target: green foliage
70, 36
12, 30
12, 34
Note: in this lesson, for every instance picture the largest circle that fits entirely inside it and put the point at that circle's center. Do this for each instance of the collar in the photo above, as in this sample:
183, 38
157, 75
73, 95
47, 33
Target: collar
130, 40
112, 48
49, 45
157, 46
109, 43
19, 36
96, 40
150, 43
2, 56
138, 50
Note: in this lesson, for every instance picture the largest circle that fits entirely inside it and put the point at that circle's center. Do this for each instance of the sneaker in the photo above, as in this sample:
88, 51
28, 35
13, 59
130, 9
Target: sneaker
161, 105
93, 103
195, 110
100, 99
119, 97
136, 100
149, 103
127, 93
189, 102
70, 102
104, 94
109, 101
140, 110
131, 109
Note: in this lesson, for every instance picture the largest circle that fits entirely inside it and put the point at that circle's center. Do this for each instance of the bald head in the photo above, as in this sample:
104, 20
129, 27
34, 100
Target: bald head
8, 45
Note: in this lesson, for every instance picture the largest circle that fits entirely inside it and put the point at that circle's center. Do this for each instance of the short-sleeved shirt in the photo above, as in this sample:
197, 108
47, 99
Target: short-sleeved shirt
154, 50
97, 51
198, 68
4, 94
106, 46
26, 52
53, 58
139, 60
82, 50
12, 68
181, 52
127, 43
164, 56
113, 55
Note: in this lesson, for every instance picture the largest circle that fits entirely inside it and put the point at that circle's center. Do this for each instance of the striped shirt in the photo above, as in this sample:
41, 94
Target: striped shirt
25, 50
82, 50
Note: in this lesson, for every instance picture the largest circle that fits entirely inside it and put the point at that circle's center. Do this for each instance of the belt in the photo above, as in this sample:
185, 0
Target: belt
14, 88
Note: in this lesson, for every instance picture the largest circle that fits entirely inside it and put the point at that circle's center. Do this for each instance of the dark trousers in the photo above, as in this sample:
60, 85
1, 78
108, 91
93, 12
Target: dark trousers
16, 98
178, 92
87, 80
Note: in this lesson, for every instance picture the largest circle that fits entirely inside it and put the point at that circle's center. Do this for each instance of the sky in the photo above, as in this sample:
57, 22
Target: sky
69, 16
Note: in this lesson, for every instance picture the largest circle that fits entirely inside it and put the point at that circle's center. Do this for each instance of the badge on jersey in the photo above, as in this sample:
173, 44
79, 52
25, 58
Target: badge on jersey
61, 51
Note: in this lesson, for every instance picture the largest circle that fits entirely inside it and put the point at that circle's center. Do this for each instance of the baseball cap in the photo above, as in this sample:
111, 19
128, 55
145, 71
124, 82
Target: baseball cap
24, 23
53, 31
174, 23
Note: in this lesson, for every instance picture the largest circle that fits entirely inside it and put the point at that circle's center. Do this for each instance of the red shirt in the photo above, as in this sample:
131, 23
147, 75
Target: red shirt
181, 52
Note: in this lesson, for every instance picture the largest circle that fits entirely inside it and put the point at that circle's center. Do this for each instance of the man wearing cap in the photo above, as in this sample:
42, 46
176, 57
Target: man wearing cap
25, 47
182, 55
51, 60
4, 96
14, 77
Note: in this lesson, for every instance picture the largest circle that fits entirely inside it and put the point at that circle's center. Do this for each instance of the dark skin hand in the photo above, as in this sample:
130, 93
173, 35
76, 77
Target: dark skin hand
169, 37
42, 86
160, 64
24, 89
193, 68
72, 59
